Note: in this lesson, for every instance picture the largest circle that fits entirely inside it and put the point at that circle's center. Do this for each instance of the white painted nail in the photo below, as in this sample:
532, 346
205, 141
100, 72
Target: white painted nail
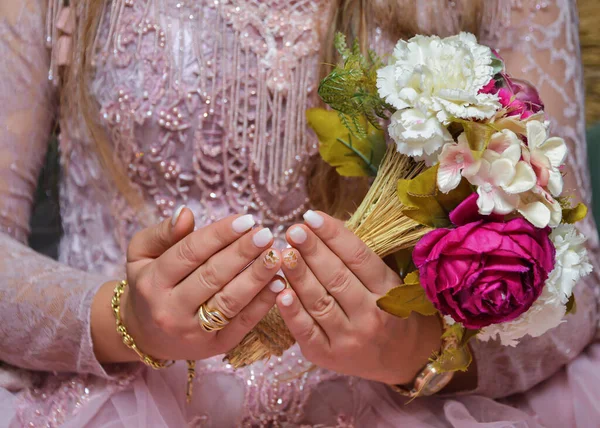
262, 238
313, 219
176, 215
243, 223
287, 300
277, 286
297, 235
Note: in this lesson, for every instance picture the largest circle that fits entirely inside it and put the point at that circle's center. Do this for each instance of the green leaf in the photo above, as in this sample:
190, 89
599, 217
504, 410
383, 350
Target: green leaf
425, 203
409, 297
571, 305
453, 359
351, 88
456, 358
350, 156
468, 334
573, 215
497, 65
404, 262
478, 134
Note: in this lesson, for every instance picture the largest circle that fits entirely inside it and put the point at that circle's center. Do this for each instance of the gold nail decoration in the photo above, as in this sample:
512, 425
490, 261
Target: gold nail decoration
271, 259
290, 259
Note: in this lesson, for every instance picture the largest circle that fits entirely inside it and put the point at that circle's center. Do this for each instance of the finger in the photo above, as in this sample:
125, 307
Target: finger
192, 251
153, 241
240, 291
329, 270
303, 327
321, 305
360, 259
223, 267
247, 319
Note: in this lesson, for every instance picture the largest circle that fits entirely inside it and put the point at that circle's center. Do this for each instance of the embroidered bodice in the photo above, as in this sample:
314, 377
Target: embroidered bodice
204, 101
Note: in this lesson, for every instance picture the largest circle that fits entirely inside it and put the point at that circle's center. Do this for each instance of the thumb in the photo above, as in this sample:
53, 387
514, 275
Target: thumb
151, 242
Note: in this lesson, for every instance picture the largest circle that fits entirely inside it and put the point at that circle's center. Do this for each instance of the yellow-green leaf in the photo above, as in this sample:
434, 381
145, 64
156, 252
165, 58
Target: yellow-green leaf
453, 359
425, 203
404, 262
349, 155
409, 297
456, 358
572, 305
478, 134
573, 215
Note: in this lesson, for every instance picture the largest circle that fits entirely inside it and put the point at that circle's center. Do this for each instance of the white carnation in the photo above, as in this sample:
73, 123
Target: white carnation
571, 264
546, 312
441, 78
417, 134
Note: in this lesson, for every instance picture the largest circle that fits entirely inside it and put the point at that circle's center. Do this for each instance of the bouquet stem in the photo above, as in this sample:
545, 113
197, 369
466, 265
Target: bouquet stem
378, 222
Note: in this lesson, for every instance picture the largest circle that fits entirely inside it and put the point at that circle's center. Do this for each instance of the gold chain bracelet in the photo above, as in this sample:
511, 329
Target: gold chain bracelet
130, 343
127, 339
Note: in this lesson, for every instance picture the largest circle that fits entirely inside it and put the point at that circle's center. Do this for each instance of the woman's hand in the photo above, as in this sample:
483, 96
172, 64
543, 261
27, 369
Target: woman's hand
331, 309
172, 270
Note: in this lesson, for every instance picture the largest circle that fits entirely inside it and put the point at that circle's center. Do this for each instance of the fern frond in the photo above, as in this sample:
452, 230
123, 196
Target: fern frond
351, 88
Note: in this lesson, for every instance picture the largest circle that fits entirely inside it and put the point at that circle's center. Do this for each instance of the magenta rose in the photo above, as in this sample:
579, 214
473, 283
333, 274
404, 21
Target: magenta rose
484, 272
520, 97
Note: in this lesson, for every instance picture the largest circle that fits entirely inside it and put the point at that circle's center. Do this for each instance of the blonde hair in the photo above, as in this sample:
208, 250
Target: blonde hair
326, 189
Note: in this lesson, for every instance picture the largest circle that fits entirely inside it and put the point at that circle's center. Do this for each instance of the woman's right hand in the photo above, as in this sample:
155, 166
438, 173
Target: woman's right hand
173, 270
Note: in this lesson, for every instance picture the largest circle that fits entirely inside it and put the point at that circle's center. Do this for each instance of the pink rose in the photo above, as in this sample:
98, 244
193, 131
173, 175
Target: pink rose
484, 272
519, 97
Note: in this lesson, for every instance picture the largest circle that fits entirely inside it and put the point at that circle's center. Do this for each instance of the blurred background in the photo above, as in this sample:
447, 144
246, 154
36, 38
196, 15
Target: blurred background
45, 222
589, 30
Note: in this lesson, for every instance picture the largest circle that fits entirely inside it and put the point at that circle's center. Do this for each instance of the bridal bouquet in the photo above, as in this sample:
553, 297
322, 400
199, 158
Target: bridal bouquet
467, 191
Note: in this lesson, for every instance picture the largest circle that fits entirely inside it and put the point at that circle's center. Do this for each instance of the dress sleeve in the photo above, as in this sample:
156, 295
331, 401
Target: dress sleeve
44, 305
539, 42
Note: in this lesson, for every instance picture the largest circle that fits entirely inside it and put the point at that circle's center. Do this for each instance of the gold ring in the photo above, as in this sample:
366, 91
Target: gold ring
211, 320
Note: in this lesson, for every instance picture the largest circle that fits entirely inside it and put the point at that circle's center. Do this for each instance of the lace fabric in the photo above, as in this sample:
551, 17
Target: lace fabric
204, 101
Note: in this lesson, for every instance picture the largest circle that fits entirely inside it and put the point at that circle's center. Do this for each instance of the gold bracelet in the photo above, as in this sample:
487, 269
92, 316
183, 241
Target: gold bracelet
429, 381
127, 339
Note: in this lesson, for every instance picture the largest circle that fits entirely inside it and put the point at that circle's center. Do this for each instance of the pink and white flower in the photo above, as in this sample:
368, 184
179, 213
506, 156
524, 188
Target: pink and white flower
546, 156
500, 175
454, 158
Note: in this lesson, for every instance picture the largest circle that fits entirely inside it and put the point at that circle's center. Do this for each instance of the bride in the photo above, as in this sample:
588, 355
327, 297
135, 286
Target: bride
185, 158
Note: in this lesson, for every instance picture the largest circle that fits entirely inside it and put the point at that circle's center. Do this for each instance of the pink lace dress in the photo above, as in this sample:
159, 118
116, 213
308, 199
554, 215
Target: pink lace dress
204, 101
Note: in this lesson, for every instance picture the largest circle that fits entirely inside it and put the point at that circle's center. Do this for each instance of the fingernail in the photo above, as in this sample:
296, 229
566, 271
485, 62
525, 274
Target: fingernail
297, 235
271, 259
313, 219
290, 259
243, 223
262, 238
277, 286
176, 215
287, 300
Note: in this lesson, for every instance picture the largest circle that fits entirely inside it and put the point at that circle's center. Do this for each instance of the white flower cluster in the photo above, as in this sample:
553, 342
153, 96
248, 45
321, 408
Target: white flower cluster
572, 263
431, 80
511, 175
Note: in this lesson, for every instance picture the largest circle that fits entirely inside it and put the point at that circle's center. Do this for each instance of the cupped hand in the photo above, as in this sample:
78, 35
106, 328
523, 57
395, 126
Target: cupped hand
331, 307
173, 270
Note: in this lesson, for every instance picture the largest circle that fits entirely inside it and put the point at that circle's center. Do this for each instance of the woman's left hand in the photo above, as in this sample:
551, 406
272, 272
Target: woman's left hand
332, 312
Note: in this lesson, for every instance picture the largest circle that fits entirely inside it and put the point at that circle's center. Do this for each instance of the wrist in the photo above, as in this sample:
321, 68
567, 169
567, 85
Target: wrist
108, 344
425, 335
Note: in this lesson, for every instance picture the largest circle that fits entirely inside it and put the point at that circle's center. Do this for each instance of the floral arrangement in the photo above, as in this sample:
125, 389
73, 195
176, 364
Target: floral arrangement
467, 191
